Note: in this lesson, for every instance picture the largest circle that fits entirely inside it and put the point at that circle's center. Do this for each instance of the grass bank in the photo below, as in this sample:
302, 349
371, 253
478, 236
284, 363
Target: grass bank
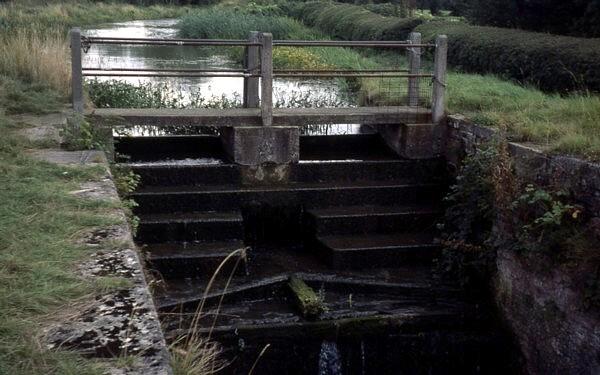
33, 35
560, 124
40, 221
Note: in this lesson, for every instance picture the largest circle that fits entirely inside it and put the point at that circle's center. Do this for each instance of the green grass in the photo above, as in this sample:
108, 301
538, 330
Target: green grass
234, 23
19, 97
33, 35
45, 15
39, 219
569, 125
39, 224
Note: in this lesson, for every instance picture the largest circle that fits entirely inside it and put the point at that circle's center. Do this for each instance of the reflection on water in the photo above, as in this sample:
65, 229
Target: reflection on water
287, 92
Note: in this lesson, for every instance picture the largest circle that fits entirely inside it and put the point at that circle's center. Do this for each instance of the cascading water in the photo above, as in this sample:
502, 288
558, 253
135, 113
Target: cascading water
362, 358
329, 359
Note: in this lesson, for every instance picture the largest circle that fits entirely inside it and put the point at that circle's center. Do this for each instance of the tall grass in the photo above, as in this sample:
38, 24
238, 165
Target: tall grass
231, 23
562, 124
36, 56
44, 15
197, 354
33, 35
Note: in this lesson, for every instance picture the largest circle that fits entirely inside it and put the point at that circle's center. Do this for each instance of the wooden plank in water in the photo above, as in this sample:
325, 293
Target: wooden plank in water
252, 116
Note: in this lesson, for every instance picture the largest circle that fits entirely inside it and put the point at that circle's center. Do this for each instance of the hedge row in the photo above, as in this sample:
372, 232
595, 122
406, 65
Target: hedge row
351, 22
552, 63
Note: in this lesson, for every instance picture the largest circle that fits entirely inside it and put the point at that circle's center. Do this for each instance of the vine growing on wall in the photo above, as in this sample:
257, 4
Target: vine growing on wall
489, 209
469, 220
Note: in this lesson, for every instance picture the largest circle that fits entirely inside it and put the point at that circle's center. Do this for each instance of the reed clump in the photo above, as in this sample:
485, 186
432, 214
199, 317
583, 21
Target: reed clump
36, 56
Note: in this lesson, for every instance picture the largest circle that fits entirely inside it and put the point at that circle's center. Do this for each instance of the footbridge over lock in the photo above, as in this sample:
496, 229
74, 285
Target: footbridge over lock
324, 245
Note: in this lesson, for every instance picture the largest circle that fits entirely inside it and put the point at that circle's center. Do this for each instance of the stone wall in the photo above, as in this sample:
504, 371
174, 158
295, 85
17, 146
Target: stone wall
541, 302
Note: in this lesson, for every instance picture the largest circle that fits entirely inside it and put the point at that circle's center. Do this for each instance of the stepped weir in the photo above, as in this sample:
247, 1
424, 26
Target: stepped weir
325, 244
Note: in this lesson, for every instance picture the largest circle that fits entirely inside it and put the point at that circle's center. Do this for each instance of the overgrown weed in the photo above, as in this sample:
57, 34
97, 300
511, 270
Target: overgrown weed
196, 353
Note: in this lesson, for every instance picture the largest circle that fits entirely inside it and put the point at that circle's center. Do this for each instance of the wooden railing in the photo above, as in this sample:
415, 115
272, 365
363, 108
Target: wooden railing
258, 72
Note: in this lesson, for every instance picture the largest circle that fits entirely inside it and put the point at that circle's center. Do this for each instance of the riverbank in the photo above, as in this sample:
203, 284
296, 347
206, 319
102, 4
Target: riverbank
41, 220
33, 36
44, 215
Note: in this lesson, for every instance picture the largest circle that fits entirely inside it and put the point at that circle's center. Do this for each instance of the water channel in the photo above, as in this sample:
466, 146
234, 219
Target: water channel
383, 315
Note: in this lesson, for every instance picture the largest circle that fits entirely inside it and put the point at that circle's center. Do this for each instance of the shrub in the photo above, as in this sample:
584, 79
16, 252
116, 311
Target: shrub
552, 63
577, 18
351, 22
469, 220
388, 9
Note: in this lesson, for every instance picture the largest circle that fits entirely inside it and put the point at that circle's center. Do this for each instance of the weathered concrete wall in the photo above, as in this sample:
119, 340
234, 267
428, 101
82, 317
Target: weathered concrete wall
257, 145
413, 141
541, 302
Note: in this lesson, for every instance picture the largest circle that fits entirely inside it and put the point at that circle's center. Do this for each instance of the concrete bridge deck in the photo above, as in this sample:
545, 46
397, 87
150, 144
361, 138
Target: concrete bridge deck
281, 116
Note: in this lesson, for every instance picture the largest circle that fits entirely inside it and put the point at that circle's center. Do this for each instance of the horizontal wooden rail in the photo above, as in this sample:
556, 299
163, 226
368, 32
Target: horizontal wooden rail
172, 75
340, 43
214, 70
168, 42
252, 116
351, 74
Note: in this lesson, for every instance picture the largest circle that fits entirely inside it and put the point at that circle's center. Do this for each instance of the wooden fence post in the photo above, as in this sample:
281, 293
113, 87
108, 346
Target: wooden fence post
76, 72
438, 106
414, 67
251, 64
266, 74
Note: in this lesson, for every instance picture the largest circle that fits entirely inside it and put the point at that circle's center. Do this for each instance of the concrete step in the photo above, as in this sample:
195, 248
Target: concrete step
377, 250
426, 170
308, 195
171, 147
194, 173
371, 219
341, 147
178, 147
191, 226
159, 174
176, 260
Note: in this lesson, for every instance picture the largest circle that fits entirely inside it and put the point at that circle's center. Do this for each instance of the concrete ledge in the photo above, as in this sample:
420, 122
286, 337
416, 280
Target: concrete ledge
120, 323
413, 141
257, 145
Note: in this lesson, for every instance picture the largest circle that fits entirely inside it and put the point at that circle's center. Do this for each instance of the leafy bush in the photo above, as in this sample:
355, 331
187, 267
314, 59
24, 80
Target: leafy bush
577, 18
388, 9
544, 220
468, 221
351, 22
552, 63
